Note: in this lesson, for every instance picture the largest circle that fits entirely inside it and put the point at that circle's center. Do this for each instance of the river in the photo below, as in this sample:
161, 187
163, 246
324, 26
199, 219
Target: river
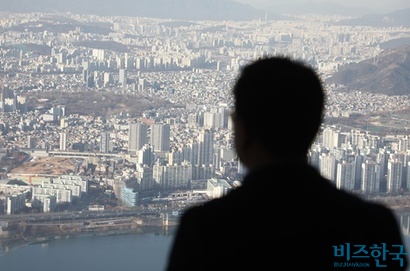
133, 252
136, 252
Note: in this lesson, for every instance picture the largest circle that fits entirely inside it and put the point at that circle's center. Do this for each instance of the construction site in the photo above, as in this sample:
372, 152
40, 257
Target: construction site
36, 169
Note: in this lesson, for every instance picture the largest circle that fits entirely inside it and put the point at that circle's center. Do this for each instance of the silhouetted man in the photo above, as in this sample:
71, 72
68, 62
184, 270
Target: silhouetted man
285, 215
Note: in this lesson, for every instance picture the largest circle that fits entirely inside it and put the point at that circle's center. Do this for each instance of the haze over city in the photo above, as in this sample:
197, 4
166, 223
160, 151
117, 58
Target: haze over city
208, 9
363, 7
108, 115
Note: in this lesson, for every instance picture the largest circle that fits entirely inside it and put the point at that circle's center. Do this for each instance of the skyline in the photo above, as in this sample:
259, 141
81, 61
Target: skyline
329, 7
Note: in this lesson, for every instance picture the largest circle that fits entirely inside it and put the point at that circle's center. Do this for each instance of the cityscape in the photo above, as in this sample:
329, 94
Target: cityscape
114, 122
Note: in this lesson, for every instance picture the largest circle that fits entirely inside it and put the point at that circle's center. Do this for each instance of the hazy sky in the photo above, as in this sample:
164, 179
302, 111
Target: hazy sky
376, 5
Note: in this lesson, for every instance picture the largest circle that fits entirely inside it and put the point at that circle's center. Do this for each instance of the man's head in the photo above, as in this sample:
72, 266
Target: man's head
279, 103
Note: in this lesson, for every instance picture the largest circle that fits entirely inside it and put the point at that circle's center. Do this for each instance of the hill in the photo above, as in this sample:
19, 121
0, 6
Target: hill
387, 73
94, 103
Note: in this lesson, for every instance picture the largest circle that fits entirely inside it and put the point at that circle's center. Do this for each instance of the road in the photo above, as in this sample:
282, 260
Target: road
64, 217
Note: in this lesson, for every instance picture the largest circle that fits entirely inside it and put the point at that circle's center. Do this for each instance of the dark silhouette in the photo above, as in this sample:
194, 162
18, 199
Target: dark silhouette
285, 215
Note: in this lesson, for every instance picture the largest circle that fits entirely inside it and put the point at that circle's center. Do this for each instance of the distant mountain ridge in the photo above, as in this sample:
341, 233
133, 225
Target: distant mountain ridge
173, 9
392, 19
388, 73
324, 8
